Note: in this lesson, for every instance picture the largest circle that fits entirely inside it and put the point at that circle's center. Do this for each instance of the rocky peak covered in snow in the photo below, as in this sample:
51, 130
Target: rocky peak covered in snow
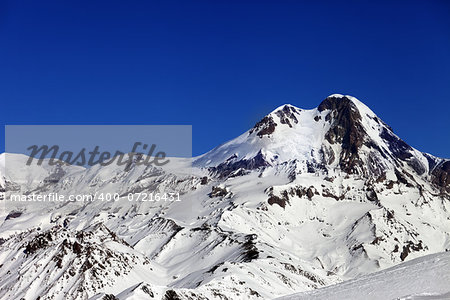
340, 134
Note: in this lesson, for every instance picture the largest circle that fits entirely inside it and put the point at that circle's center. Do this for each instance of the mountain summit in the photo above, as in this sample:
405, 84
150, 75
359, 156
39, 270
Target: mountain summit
340, 134
302, 200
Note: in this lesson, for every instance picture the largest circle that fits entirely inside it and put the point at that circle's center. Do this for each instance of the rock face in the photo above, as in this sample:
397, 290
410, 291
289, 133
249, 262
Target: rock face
233, 165
346, 130
287, 115
264, 127
304, 199
441, 176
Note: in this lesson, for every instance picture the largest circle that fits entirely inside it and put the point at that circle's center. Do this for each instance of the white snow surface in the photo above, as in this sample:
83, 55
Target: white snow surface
427, 277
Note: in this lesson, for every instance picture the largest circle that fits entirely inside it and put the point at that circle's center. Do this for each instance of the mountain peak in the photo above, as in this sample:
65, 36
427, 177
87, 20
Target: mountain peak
343, 108
286, 114
286, 107
337, 101
341, 132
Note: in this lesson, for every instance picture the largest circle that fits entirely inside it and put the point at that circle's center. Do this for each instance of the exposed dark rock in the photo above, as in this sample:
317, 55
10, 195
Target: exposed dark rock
277, 200
239, 172
254, 293
146, 289
389, 215
204, 180
226, 168
417, 165
327, 155
402, 151
432, 161
327, 193
77, 248
357, 247
410, 247
329, 179
171, 295
446, 166
40, 241
218, 192
346, 129
401, 178
267, 124
397, 146
375, 165
250, 252
264, 127
404, 253
313, 167
298, 191
381, 178
377, 240
13, 215
287, 115
390, 184
214, 268
204, 227
372, 145
66, 222
371, 195
441, 176
304, 273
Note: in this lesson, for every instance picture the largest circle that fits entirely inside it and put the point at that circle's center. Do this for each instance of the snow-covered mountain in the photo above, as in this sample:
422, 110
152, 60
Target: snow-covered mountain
303, 200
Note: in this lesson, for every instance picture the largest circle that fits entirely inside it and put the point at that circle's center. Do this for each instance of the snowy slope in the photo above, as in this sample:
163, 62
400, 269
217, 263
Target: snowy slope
303, 200
426, 277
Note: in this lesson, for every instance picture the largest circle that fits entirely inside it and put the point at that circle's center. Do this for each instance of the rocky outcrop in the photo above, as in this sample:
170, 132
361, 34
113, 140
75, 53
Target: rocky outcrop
287, 115
346, 129
234, 164
264, 127
441, 176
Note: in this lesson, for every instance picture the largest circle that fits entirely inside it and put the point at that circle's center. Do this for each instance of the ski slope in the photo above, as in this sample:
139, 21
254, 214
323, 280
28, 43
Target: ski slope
426, 277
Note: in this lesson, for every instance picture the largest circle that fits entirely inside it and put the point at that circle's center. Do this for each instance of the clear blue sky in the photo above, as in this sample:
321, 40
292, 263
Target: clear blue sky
222, 65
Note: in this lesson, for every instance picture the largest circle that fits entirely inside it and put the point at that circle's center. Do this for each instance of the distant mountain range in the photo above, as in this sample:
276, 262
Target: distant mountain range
303, 200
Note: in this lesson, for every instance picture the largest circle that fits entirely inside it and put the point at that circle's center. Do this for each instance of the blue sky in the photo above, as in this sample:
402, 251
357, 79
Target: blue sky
220, 66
